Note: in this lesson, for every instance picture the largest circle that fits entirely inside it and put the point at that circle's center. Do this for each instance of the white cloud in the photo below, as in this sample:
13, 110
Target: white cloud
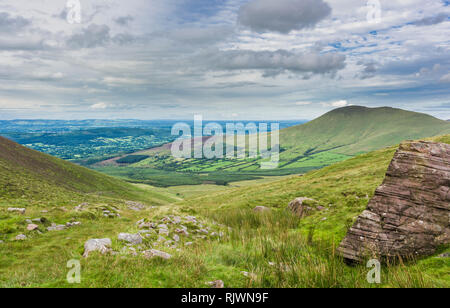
302, 103
445, 78
338, 104
99, 106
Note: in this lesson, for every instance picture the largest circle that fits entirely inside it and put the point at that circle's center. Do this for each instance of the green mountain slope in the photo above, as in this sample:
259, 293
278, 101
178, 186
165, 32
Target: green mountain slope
353, 130
28, 176
336, 136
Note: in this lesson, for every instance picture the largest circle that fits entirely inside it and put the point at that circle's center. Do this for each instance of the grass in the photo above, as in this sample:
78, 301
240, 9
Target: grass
276, 248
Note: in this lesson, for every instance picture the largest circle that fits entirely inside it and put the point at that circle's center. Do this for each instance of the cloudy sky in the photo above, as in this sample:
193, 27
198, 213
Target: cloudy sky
224, 59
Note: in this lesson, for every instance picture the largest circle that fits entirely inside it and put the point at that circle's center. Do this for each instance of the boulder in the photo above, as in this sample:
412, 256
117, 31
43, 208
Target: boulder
32, 227
55, 227
134, 239
101, 245
21, 237
135, 206
152, 253
409, 213
261, 209
298, 206
18, 210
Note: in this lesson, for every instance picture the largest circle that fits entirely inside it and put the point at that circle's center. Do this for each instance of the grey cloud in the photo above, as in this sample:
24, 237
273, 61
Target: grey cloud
199, 36
21, 44
90, 37
276, 62
432, 20
282, 15
12, 24
124, 20
369, 69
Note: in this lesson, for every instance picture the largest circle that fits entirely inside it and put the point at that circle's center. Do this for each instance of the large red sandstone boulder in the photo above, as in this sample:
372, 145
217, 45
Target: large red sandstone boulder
410, 213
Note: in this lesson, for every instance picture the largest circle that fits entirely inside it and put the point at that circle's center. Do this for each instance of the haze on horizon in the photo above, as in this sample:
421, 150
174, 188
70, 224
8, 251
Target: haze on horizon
224, 59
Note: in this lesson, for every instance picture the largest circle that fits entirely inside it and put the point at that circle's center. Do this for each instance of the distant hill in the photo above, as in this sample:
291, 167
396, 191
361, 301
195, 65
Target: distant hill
354, 130
28, 175
336, 136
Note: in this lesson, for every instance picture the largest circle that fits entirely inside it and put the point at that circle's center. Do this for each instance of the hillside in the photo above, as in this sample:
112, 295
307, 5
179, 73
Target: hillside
336, 136
272, 249
30, 176
354, 130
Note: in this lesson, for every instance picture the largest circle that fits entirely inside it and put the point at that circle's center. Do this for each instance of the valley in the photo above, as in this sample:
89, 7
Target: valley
211, 232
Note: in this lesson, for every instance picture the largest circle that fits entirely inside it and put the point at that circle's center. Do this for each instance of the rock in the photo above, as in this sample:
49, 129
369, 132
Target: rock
176, 238
152, 253
320, 208
72, 224
135, 206
298, 208
188, 244
21, 237
182, 231
409, 213
1, 242
249, 275
191, 219
176, 219
101, 245
18, 210
261, 209
55, 227
134, 239
32, 227
444, 255
217, 284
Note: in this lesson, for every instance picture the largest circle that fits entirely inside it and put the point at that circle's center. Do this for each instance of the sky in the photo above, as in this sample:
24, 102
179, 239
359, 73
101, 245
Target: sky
222, 59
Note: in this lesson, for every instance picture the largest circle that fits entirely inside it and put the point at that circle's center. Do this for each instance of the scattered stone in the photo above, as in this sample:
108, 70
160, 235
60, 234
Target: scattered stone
298, 208
182, 231
249, 275
32, 227
101, 245
156, 253
408, 215
320, 208
21, 237
134, 239
73, 224
444, 255
1, 242
135, 206
188, 244
44, 211
176, 219
176, 238
55, 227
191, 219
18, 210
203, 231
261, 209
217, 284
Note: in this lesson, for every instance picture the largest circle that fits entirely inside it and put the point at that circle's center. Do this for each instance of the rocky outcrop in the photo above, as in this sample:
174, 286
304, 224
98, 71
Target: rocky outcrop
299, 206
101, 245
410, 213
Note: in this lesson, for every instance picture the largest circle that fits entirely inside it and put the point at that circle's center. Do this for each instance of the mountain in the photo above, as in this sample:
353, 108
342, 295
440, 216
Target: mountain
353, 130
30, 176
336, 136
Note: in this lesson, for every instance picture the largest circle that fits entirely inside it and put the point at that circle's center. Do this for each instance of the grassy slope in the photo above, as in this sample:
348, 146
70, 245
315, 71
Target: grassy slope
30, 177
353, 130
333, 137
301, 257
